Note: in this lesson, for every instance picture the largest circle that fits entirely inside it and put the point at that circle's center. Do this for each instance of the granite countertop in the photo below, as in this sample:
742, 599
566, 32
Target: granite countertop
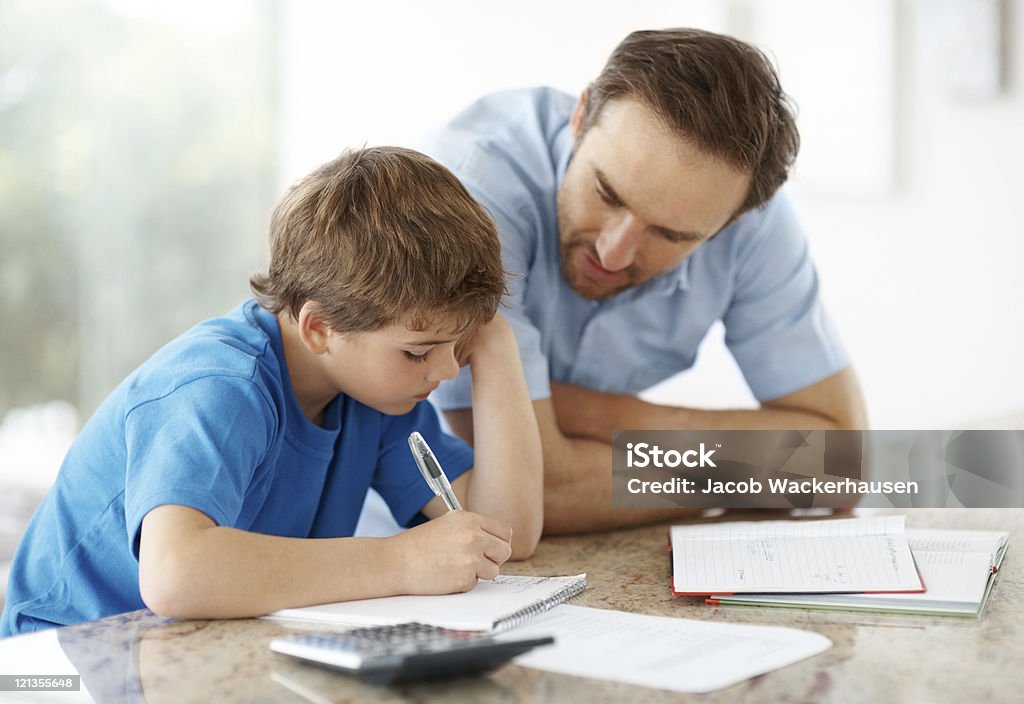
139, 657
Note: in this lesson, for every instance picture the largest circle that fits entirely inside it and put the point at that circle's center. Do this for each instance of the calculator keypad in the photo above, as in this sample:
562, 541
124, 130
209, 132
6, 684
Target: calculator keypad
405, 652
401, 639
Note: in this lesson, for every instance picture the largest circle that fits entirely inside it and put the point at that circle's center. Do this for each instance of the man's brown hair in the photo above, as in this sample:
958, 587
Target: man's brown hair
380, 234
715, 91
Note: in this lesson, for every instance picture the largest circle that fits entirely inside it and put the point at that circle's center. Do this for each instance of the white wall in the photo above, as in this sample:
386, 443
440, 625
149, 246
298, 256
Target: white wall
927, 281
387, 71
918, 254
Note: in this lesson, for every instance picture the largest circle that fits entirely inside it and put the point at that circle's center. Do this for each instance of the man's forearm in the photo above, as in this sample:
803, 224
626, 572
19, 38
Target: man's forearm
578, 483
578, 491
605, 414
832, 403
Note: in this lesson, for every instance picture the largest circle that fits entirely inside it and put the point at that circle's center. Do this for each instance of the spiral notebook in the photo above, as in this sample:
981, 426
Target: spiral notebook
492, 605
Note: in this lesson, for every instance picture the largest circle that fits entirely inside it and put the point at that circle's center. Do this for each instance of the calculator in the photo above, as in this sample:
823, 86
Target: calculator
405, 652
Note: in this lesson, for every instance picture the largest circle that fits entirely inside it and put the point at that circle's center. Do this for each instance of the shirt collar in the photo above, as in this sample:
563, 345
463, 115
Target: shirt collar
683, 280
668, 283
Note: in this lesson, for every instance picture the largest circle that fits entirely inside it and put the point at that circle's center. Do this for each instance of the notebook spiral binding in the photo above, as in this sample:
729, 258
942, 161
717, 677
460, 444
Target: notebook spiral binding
520, 617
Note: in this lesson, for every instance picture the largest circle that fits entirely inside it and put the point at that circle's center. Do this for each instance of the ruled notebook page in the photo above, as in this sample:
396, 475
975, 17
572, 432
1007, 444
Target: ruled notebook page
844, 555
946, 540
956, 565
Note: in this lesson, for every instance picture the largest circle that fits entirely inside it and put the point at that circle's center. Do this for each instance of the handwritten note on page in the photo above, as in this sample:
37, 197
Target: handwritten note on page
957, 566
845, 555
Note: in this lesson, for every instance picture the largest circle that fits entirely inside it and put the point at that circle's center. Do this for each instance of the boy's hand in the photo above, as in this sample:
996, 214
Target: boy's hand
449, 553
495, 334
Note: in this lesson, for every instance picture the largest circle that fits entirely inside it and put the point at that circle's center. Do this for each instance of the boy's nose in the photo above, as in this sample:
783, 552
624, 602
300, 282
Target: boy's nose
617, 244
447, 367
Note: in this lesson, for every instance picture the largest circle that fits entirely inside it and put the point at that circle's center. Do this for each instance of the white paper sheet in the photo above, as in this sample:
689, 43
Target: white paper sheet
662, 652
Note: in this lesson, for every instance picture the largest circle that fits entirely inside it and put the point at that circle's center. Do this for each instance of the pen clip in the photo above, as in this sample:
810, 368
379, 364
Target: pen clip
419, 454
431, 470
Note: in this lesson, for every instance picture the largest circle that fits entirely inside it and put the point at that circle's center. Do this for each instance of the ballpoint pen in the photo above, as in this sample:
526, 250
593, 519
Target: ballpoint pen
431, 470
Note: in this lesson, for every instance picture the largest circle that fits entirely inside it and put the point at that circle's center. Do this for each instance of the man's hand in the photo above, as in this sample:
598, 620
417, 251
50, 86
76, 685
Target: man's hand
450, 553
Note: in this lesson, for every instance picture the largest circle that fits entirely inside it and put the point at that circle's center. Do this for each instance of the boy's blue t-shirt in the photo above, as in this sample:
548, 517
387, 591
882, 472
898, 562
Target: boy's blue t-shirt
210, 422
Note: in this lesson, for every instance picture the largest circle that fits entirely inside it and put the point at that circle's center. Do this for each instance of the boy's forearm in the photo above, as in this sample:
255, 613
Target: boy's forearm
220, 572
507, 481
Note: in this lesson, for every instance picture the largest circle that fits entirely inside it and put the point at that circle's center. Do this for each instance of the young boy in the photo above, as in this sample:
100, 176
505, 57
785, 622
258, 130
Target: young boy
224, 476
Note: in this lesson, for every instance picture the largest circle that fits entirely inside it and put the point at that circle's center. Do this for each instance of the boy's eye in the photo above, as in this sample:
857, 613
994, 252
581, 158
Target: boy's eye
415, 357
606, 197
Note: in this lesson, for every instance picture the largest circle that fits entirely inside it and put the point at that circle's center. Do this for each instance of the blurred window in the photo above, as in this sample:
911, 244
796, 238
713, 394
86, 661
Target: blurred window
137, 164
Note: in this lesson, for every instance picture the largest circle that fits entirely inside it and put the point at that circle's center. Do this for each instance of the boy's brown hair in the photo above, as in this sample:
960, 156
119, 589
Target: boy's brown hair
380, 234
715, 91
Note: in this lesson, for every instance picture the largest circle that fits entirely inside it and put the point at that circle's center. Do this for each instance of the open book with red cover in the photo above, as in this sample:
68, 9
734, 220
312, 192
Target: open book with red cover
959, 567
794, 557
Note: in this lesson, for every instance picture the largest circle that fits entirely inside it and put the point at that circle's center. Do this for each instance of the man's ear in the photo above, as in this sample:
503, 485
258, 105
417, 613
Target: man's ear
578, 117
313, 329
731, 221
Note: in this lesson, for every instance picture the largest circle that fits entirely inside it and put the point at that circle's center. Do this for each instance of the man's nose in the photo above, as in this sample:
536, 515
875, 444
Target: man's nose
617, 244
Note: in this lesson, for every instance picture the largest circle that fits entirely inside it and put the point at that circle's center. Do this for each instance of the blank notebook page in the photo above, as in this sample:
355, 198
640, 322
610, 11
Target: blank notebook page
491, 604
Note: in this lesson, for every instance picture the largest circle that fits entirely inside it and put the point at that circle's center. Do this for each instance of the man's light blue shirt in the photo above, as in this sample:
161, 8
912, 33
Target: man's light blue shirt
511, 150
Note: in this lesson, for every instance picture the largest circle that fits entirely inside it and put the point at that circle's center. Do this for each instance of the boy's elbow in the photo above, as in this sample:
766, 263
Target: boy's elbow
166, 604
524, 549
161, 601
526, 538
164, 588
175, 576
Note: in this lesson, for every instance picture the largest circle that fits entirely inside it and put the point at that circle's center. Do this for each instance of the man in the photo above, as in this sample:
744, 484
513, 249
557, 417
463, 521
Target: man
631, 220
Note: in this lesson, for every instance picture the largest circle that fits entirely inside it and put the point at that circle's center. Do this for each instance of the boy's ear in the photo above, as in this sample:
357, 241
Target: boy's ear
313, 329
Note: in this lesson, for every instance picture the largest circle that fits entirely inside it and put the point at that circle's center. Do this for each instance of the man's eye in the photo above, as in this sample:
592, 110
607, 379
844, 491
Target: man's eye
416, 357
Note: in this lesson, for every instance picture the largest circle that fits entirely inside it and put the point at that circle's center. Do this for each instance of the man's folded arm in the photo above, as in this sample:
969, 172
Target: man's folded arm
576, 427
835, 402
577, 478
